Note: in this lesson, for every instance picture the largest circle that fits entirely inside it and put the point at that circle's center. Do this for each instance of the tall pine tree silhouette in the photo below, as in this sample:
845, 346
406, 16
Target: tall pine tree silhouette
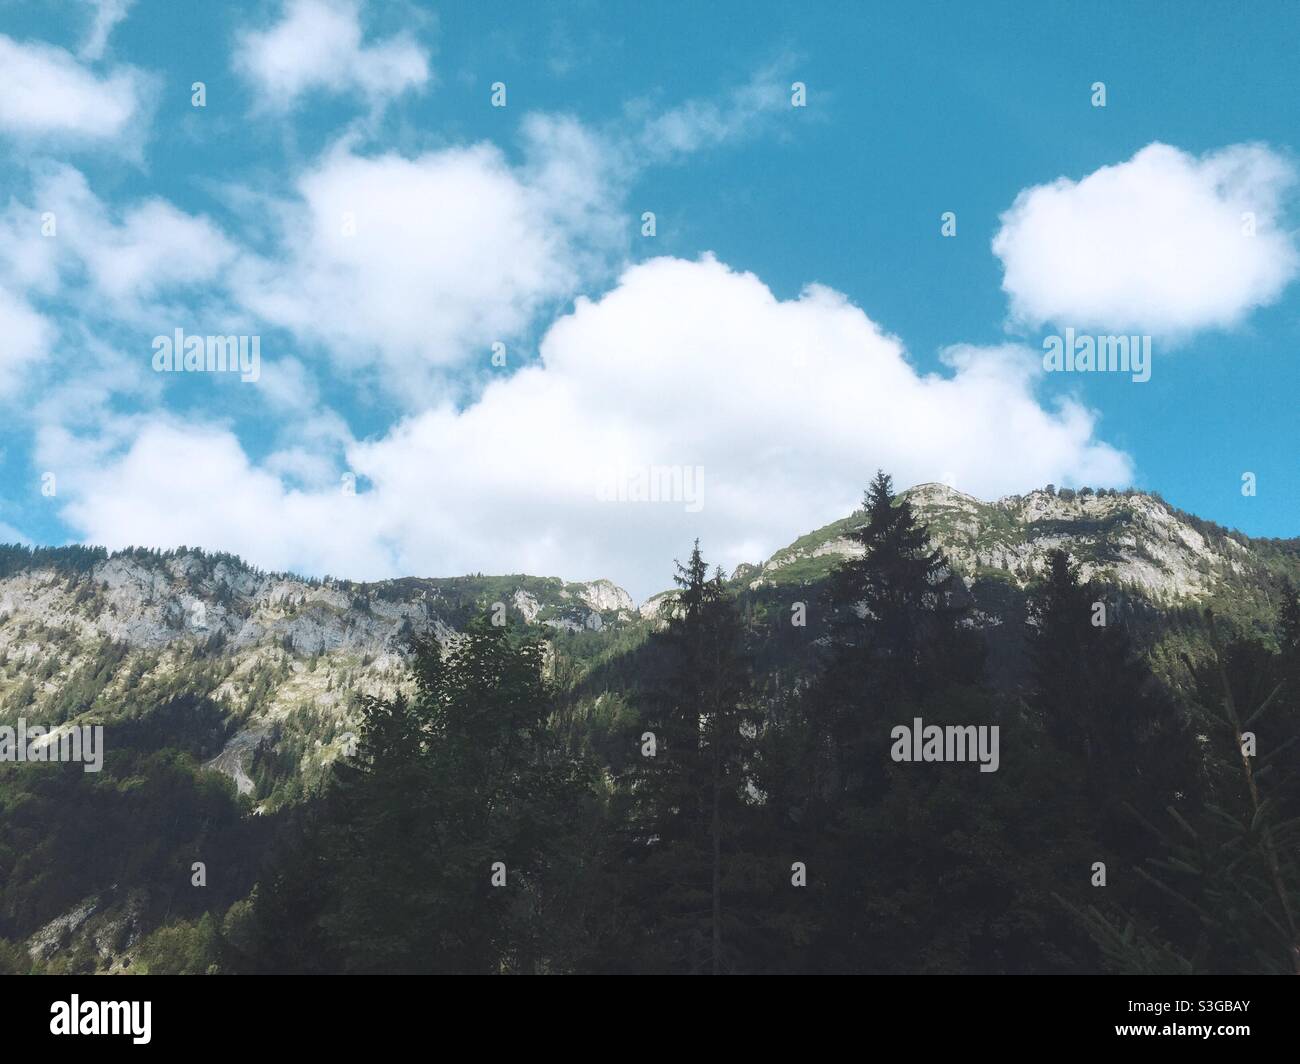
1099, 703
461, 774
1228, 870
691, 797
901, 607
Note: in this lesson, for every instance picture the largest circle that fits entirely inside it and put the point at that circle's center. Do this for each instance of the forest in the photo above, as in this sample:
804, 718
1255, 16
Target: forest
711, 820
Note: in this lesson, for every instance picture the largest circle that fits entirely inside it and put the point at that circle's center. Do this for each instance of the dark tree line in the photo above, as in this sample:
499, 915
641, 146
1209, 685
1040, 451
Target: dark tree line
1125, 828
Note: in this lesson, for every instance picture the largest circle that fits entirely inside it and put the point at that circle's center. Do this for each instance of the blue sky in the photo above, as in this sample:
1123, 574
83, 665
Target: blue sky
796, 320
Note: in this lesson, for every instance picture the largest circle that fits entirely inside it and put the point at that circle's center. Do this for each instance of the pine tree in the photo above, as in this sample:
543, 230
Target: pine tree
900, 604
692, 795
900, 635
1100, 705
1289, 621
1230, 868
462, 774
1287, 715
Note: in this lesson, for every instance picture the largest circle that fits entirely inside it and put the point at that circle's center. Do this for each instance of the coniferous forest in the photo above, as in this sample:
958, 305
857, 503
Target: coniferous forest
729, 820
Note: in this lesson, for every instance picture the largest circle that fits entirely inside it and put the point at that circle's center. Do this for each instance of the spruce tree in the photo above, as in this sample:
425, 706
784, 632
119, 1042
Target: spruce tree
1101, 706
691, 798
902, 646
449, 784
900, 605
1228, 871
900, 634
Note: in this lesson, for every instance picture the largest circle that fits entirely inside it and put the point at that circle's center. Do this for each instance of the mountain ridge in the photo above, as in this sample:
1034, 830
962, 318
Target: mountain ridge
285, 660
260, 677
968, 528
1123, 537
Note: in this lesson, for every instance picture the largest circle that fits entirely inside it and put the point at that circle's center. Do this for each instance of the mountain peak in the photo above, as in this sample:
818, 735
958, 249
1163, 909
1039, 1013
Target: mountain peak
1123, 537
935, 490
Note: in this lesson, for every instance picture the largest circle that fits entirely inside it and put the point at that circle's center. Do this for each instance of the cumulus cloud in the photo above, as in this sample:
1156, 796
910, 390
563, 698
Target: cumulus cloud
194, 486
319, 46
1160, 244
129, 256
786, 406
77, 273
406, 269
417, 264
45, 91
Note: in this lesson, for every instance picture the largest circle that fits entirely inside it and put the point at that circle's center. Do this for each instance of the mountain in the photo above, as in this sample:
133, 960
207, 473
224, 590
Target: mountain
80, 628
1129, 539
261, 676
283, 659
1158, 567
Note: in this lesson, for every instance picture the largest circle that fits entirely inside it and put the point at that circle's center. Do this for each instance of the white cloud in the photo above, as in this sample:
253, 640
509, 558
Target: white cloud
108, 13
45, 91
192, 485
418, 265
1153, 245
317, 45
406, 270
701, 123
789, 407
85, 374
131, 258
77, 275
24, 337
154, 248
288, 387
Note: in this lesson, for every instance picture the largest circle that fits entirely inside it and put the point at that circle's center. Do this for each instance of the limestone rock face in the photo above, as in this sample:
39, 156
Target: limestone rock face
156, 602
289, 659
602, 595
276, 643
1126, 538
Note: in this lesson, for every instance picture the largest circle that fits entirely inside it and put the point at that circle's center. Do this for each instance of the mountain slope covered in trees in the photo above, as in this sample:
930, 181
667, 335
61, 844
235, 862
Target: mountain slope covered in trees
519, 774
